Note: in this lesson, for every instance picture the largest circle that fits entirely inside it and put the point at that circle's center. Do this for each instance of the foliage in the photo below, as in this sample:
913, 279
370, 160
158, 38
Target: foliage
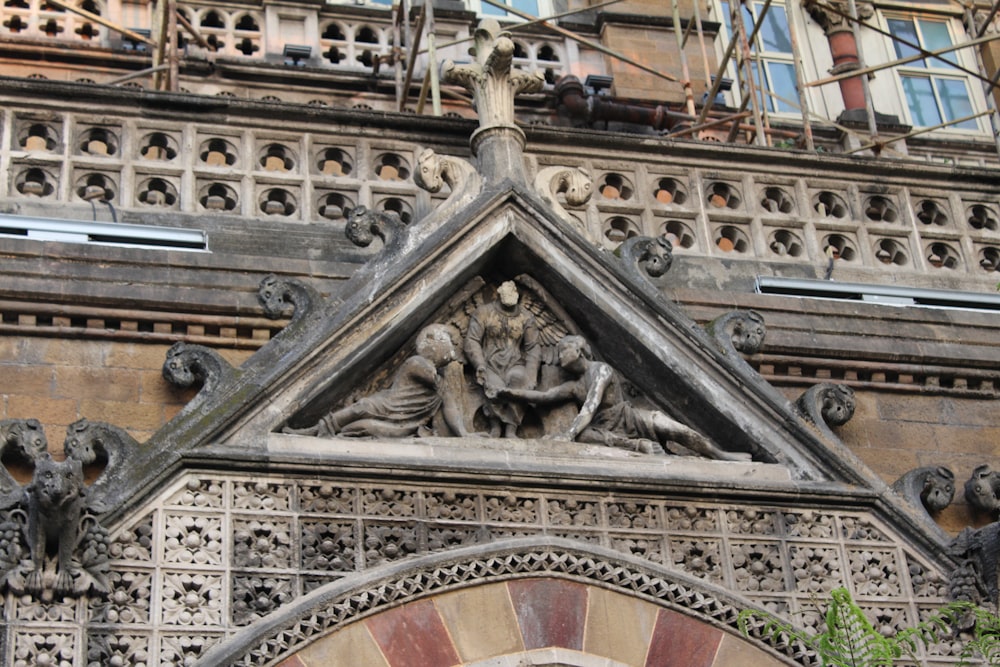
848, 639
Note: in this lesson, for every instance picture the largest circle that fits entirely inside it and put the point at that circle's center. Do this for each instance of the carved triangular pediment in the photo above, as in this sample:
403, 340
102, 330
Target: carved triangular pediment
663, 364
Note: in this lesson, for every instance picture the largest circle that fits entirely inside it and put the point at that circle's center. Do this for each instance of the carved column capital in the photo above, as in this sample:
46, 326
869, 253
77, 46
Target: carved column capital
832, 15
493, 84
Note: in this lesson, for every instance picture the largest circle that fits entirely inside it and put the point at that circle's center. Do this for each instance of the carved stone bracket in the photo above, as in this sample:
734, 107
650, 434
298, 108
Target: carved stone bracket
982, 490
738, 331
52, 543
653, 255
363, 225
929, 487
576, 187
827, 405
278, 296
434, 171
187, 364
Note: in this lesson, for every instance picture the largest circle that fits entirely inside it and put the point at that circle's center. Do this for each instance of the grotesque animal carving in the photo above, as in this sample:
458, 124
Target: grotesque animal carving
654, 255
186, 364
22, 441
53, 515
982, 491
977, 552
576, 187
827, 404
55, 500
434, 171
930, 487
98, 442
276, 295
363, 225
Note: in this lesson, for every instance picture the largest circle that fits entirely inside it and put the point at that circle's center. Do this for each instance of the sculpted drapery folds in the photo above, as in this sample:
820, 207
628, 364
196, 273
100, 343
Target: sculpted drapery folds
527, 373
407, 406
502, 345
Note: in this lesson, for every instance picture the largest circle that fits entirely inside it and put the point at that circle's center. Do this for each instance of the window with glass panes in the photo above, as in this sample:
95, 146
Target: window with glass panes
773, 48
934, 89
533, 7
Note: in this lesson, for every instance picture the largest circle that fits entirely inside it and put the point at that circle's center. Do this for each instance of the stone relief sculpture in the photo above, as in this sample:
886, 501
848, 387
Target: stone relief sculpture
527, 373
51, 541
977, 552
407, 406
982, 490
503, 348
930, 487
606, 418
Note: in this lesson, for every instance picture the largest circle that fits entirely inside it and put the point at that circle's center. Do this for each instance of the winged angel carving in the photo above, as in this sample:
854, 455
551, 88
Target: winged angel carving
518, 379
51, 542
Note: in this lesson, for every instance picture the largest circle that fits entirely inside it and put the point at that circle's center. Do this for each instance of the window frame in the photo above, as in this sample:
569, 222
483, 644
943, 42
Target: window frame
933, 69
545, 8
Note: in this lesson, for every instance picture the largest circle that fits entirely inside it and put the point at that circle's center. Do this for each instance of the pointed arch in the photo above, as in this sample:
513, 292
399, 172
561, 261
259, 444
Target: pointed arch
543, 591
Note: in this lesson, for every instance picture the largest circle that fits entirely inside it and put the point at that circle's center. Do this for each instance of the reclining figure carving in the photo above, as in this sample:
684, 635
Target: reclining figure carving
524, 357
51, 542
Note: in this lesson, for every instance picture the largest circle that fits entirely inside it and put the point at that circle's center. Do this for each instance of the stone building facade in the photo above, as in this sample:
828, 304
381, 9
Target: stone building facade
186, 271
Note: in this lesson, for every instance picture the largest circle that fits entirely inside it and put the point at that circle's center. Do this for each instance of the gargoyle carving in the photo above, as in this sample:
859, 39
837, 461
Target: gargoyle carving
930, 487
575, 186
51, 541
363, 225
982, 490
435, 171
827, 405
654, 255
279, 295
738, 331
186, 364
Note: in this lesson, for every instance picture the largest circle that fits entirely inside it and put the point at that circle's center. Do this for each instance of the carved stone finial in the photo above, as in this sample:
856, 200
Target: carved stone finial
739, 331
494, 84
277, 295
363, 225
930, 487
653, 255
827, 404
982, 490
575, 185
186, 364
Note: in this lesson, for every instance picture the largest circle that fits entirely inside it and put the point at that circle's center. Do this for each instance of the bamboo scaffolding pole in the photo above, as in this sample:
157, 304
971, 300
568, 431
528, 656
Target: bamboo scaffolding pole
710, 124
991, 106
586, 42
397, 46
160, 49
717, 82
685, 72
704, 51
799, 79
191, 30
744, 64
989, 18
135, 37
432, 65
137, 75
412, 60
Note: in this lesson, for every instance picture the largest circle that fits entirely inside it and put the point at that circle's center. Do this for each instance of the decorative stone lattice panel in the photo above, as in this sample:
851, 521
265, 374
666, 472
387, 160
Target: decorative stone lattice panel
217, 551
